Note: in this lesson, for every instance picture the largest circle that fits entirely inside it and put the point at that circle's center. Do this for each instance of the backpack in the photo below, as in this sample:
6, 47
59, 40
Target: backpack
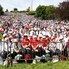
28, 58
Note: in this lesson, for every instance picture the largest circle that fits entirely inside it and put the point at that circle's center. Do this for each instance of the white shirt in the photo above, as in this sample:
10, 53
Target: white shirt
59, 46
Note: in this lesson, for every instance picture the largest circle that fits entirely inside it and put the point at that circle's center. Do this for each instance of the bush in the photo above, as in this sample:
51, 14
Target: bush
31, 13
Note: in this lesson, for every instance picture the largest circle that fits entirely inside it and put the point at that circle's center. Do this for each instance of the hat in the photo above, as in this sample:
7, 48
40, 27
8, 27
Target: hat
43, 36
25, 34
4, 35
10, 31
35, 36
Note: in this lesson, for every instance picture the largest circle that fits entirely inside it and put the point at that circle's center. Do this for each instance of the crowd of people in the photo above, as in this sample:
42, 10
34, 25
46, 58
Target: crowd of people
24, 34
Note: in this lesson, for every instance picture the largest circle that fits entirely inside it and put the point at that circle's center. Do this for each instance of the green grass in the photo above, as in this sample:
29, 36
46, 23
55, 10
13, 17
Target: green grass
47, 65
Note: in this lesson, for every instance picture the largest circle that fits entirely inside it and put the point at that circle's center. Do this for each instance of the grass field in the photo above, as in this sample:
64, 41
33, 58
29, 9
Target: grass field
47, 65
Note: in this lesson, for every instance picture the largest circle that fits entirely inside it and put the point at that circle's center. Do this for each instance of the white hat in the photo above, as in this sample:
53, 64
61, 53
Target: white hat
43, 36
4, 35
10, 32
34, 36
25, 34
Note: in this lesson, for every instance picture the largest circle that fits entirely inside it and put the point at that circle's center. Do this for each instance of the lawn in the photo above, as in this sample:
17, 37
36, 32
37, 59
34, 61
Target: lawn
47, 65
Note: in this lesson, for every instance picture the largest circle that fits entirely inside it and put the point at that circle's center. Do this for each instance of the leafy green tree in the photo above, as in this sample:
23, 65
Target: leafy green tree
1, 10
15, 9
62, 11
28, 9
31, 13
50, 10
45, 12
41, 12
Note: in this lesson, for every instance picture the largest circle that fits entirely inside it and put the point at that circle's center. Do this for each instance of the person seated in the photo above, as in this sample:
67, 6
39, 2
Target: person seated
53, 50
5, 48
67, 47
26, 47
35, 46
44, 45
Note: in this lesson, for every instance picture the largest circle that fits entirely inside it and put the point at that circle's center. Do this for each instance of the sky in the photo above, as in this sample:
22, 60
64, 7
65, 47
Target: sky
24, 4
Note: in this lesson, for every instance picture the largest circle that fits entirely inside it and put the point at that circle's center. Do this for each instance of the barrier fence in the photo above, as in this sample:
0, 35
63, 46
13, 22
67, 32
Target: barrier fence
54, 51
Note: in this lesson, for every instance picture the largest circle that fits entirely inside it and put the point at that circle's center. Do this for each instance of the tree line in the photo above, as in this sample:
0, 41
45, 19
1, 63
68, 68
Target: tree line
47, 12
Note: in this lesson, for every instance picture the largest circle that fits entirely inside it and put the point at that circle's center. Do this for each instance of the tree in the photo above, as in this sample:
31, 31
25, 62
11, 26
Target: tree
31, 13
62, 11
1, 10
6, 10
15, 9
50, 10
28, 9
45, 12
41, 12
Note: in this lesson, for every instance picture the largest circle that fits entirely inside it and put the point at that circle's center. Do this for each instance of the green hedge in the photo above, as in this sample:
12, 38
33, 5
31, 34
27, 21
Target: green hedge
31, 13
